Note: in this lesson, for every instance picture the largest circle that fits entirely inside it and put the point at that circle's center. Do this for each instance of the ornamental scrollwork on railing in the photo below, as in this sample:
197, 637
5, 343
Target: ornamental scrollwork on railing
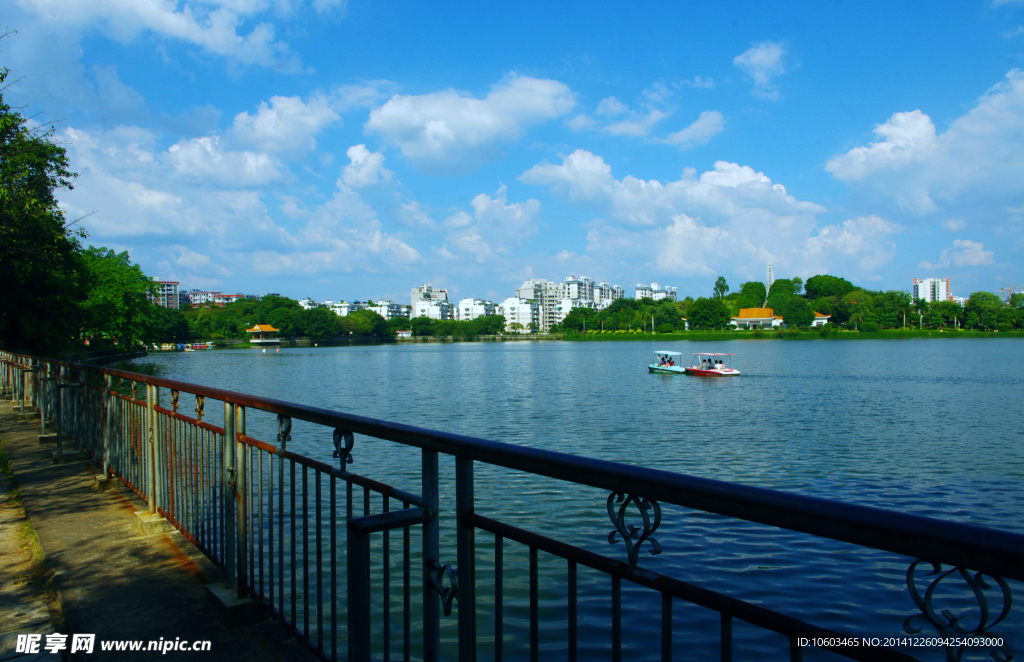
174, 400
284, 431
950, 625
200, 405
437, 587
344, 442
634, 536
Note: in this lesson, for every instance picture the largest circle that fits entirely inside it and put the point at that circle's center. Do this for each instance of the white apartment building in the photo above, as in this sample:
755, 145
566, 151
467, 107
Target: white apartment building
578, 288
390, 310
307, 304
655, 291
166, 293
343, 308
521, 311
566, 305
932, 289
224, 299
546, 294
427, 293
604, 294
470, 309
434, 309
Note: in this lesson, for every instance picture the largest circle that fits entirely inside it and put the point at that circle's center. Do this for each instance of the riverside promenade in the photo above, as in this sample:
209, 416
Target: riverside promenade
97, 574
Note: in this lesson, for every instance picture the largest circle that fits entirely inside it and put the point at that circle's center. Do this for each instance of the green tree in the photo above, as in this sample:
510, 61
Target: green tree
781, 292
752, 294
422, 326
169, 326
1017, 300
827, 286
708, 314
116, 306
721, 287
986, 307
39, 251
796, 312
365, 324
798, 285
281, 319
322, 323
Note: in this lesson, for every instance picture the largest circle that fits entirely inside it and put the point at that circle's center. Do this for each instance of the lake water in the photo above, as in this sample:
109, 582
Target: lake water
931, 427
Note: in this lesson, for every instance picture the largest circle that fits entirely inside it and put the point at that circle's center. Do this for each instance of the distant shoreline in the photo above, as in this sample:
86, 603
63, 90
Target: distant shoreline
844, 334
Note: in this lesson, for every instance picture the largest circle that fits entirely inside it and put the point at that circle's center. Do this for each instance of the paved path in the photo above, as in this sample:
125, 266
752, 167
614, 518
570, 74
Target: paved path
112, 581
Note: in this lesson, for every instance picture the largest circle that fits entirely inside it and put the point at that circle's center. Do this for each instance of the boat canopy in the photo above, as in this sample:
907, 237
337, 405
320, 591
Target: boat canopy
711, 354
667, 353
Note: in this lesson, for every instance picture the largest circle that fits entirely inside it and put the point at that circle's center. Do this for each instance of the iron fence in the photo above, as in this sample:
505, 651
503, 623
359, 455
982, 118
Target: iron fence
294, 533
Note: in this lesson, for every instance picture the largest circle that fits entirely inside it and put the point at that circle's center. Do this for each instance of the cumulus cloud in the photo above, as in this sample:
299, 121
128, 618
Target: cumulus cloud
865, 238
454, 131
978, 160
286, 124
954, 224
366, 168
763, 62
213, 25
693, 225
705, 82
204, 158
704, 128
639, 127
963, 253
611, 107
494, 226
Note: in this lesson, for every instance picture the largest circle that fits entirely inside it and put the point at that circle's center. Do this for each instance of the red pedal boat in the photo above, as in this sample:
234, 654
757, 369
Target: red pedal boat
709, 364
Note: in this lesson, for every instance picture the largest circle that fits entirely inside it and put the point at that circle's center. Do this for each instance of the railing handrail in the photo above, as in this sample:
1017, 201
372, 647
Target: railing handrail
982, 549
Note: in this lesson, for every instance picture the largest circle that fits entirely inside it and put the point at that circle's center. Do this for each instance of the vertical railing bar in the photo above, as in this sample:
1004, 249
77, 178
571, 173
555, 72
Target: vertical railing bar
293, 554
319, 567
616, 618
726, 638
666, 627
262, 491
305, 552
386, 589
534, 608
280, 533
406, 591
334, 568
499, 598
431, 556
573, 606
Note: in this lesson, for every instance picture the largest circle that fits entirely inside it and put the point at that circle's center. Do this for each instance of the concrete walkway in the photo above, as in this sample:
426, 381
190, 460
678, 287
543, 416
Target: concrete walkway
110, 580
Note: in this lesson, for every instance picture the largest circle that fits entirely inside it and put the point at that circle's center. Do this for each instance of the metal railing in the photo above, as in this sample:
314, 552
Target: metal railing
294, 533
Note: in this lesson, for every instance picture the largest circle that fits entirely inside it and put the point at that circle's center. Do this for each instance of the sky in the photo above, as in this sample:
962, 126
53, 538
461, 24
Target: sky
353, 150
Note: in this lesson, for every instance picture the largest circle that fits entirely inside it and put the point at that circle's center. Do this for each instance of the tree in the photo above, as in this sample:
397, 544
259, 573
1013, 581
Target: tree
168, 325
827, 286
797, 312
752, 294
781, 292
364, 324
116, 307
721, 287
39, 251
322, 323
798, 285
985, 306
1017, 300
281, 319
708, 314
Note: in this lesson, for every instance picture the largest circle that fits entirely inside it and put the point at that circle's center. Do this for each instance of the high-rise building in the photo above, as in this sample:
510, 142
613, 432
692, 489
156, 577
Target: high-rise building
655, 291
436, 309
427, 293
166, 294
390, 310
470, 309
932, 289
520, 311
768, 281
546, 294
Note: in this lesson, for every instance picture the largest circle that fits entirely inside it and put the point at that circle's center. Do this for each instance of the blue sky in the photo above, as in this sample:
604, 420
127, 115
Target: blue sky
352, 150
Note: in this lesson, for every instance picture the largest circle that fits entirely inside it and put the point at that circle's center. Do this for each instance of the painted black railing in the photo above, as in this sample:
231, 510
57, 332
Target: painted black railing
272, 519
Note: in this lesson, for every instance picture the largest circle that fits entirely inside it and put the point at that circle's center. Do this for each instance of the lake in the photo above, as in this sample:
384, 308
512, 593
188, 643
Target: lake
931, 427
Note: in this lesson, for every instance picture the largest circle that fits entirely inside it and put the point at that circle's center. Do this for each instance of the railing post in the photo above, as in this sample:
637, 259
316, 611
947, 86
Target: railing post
228, 483
431, 557
241, 506
466, 543
58, 415
108, 422
358, 564
151, 448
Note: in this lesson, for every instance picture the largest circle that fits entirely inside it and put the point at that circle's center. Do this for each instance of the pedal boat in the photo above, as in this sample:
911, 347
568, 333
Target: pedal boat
666, 363
709, 359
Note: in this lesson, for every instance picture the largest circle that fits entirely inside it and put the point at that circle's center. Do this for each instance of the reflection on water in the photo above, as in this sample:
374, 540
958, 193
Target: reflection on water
900, 425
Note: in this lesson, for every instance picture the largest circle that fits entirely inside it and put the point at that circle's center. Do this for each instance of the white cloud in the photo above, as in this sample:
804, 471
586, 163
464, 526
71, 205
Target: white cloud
705, 82
690, 226
203, 158
1016, 32
954, 224
704, 128
611, 107
366, 168
865, 238
581, 122
978, 161
494, 226
964, 253
452, 130
415, 215
639, 127
287, 124
210, 24
763, 62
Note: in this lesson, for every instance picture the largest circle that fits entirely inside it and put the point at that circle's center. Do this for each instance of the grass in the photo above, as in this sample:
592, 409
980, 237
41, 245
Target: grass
26, 532
795, 334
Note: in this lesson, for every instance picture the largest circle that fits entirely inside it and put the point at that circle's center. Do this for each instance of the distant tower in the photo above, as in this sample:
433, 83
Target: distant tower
769, 279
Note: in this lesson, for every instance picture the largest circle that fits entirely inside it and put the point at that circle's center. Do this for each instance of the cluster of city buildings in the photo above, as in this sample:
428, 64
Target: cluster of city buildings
168, 295
935, 289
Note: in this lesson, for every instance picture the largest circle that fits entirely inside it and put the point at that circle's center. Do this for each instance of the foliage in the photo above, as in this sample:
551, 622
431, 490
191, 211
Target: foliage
116, 307
39, 250
721, 287
491, 325
796, 312
709, 314
827, 286
363, 324
1017, 300
323, 323
752, 294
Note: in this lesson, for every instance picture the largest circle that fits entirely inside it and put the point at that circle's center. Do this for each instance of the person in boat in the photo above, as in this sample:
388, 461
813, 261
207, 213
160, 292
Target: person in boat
703, 364
671, 362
